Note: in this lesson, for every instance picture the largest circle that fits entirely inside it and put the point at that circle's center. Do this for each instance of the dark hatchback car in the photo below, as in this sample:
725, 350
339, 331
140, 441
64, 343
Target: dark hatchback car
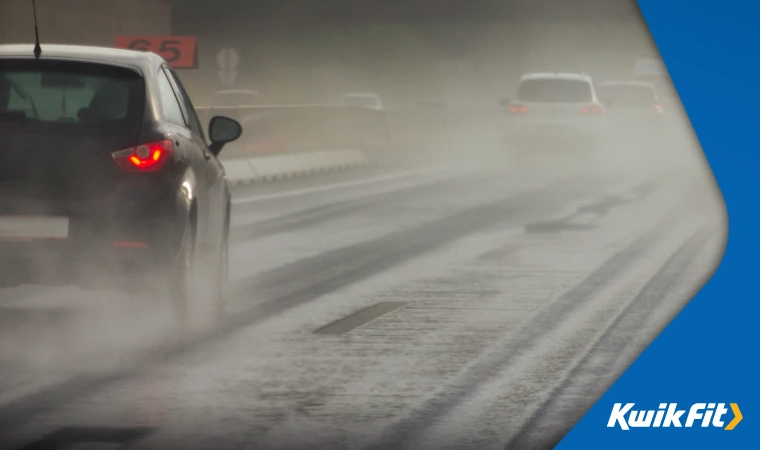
105, 171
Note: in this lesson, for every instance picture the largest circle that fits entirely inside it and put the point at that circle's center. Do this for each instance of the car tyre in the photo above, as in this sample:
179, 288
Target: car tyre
222, 278
191, 309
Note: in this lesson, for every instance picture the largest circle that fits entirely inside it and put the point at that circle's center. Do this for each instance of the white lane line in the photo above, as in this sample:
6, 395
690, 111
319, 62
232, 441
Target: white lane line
332, 187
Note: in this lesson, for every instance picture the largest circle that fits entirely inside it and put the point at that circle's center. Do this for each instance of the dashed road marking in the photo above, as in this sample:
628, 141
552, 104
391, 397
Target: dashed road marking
361, 317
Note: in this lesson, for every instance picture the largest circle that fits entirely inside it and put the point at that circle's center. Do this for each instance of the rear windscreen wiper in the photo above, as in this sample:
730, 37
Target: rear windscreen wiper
22, 93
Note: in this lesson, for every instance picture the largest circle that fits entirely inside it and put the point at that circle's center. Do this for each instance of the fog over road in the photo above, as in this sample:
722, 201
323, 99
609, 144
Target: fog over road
445, 305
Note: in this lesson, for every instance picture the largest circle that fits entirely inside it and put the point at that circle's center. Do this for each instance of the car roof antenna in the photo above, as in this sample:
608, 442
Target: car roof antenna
37, 48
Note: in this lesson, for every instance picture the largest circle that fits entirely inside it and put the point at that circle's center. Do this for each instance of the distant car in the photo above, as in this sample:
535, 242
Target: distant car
235, 98
559, 108
105, 170
369, 101
631, 102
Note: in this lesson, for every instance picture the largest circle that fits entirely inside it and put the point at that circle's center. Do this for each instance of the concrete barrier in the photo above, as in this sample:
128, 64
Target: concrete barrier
279, 129
300, 128
239, 170
288, 140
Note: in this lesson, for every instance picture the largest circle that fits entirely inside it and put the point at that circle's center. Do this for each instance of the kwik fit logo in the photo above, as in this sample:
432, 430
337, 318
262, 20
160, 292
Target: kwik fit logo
668, 415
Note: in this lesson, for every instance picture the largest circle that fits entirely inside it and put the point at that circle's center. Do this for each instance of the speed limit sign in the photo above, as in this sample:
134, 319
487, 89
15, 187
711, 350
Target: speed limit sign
179, 52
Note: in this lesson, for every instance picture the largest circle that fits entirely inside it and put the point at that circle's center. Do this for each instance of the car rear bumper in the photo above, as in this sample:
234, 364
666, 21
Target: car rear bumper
86, 236
98, 241
49, 264
99, 262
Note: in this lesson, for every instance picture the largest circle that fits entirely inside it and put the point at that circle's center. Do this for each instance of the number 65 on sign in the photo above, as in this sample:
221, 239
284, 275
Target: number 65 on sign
179, 52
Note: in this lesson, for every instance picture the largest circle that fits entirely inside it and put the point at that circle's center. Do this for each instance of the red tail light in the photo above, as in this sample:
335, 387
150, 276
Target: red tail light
150, 157
591, 109
518, 109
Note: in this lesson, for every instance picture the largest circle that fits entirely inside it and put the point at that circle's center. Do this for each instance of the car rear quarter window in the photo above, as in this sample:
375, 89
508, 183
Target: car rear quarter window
169, 103
184, 102
76, 94
555, 91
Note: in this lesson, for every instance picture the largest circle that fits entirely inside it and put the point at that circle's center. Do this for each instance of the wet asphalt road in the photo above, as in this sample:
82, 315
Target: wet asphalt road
438, 306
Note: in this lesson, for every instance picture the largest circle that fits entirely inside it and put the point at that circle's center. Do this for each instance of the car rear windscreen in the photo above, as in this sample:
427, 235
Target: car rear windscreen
628, 95
97, 102
60, 121
555, 91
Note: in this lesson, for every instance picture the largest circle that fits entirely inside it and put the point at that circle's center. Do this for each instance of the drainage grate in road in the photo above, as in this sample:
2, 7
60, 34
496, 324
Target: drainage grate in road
360, 318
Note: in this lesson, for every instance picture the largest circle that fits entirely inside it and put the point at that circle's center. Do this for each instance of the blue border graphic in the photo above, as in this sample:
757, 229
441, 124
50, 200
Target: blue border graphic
708, 353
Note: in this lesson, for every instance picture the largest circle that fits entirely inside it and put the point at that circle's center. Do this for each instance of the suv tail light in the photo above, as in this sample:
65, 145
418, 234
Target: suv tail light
518, 109
150, 157
591, 109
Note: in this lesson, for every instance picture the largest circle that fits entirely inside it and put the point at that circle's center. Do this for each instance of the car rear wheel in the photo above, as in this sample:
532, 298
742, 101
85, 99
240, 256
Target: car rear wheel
222, 279
192, 309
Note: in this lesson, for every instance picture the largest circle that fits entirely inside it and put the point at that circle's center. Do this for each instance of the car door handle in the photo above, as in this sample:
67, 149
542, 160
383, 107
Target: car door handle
207, 156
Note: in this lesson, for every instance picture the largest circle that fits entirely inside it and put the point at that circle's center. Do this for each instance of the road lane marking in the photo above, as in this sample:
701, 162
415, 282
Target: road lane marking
361, 317
332, 187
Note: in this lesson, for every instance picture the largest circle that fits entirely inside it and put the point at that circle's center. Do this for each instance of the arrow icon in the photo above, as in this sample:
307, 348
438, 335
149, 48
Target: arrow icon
737, 417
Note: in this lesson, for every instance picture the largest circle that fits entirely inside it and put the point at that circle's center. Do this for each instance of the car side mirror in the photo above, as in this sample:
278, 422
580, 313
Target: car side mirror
222, 131
504, 102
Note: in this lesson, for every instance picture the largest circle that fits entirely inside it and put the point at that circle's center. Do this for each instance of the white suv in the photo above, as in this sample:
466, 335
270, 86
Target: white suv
563, 107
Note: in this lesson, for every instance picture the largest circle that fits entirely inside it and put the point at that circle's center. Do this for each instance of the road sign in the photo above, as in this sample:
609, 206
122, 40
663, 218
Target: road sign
228, 61
178, 51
